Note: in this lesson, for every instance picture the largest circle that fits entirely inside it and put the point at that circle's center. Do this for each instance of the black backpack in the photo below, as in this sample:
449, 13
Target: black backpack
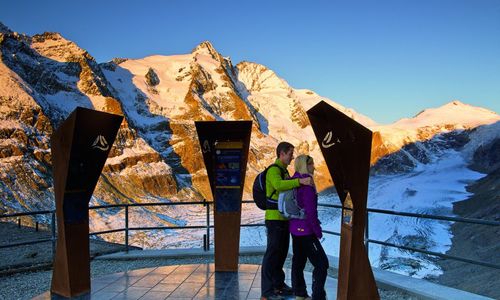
259, 187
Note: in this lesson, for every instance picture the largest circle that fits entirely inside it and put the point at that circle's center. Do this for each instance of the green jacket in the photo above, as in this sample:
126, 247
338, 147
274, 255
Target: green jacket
274, 182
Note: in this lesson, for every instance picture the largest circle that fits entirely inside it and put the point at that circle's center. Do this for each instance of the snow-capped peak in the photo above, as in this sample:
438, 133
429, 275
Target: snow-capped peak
454, 114
206, 48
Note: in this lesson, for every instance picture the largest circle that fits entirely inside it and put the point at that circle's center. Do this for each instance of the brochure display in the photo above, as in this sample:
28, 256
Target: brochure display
224, 146
346, 147
79, 148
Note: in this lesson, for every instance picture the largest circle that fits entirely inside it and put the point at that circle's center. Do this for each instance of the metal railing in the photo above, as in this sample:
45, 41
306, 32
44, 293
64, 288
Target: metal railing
53, 237
207, 226
422, 216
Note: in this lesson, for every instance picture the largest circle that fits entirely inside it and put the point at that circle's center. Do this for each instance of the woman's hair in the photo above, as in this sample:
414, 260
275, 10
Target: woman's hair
301, 162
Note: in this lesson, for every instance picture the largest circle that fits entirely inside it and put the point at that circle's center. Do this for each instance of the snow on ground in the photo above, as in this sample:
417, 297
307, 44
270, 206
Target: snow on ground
454, 112
429, 190
68, 101
482, 135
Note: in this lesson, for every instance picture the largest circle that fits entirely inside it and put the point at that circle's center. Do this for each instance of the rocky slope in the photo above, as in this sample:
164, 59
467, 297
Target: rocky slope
474, 241
42, 79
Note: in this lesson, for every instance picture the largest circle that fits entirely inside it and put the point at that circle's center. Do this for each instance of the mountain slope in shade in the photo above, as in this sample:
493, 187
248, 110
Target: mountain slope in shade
24, 147
476, 241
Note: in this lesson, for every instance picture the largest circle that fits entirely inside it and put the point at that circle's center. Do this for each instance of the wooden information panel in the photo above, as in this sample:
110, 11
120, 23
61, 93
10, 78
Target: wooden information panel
79, 148
224, 147
346, 147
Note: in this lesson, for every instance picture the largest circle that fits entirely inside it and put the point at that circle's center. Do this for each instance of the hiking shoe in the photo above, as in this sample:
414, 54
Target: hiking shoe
284, 291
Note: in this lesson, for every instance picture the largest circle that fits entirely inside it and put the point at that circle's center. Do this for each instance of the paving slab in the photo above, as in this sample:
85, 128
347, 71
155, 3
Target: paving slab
199, 281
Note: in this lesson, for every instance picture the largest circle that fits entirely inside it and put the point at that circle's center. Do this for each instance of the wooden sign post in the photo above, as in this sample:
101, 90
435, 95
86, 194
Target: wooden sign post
346, 147
79, 147
224, 146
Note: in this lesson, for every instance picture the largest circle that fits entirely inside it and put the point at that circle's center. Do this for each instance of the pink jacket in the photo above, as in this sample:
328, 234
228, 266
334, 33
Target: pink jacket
307, 198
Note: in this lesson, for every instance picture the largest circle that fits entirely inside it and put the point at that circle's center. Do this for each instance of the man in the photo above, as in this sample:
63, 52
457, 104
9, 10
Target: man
273, 285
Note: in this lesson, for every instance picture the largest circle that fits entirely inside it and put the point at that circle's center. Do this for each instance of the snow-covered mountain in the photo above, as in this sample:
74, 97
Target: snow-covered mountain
419, 164
412, 141
156, 156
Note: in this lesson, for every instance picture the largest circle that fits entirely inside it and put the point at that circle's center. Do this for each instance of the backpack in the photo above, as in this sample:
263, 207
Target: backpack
259, 188
288, 207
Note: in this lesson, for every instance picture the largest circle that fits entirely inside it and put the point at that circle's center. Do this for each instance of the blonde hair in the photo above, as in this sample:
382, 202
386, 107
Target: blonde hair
301, 162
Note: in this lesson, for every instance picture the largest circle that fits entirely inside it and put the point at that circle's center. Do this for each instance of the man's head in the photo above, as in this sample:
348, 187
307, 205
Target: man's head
284, 152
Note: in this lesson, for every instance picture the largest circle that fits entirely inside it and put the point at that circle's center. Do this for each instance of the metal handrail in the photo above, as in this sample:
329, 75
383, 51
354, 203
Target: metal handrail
126, 229
53, 236
150, 204
30, 213
481, 263
423, 216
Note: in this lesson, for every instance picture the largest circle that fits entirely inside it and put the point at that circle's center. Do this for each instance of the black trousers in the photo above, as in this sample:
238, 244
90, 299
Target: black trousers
278, 239
309, 247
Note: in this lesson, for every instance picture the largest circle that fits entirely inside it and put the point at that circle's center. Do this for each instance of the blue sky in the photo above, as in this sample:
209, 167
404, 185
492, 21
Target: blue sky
385, 59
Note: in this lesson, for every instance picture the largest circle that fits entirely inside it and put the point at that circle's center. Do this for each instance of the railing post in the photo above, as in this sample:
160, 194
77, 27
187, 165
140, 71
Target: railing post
208, 223
367, 236
126, 228
53, 229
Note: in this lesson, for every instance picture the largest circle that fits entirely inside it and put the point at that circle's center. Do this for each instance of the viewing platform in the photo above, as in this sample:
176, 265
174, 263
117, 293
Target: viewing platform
200, 281
28, 247
196, 281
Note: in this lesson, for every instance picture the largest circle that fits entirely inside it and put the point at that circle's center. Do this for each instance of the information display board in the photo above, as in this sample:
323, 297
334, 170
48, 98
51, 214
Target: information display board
224, 145
347, 210
228, 176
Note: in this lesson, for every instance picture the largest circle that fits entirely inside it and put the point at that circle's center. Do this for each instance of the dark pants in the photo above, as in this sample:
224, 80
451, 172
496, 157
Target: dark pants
309, 247
278, 239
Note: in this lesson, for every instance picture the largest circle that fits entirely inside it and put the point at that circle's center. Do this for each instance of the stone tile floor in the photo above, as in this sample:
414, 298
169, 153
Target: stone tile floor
199, 281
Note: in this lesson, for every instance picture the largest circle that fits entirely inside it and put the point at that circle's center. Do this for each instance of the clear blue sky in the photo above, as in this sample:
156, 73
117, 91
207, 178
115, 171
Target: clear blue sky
385, 59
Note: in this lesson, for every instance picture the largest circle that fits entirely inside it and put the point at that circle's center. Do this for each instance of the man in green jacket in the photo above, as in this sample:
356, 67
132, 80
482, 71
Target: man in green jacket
273, 285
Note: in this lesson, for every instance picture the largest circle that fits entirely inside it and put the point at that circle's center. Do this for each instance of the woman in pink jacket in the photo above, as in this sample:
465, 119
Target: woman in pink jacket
306, 234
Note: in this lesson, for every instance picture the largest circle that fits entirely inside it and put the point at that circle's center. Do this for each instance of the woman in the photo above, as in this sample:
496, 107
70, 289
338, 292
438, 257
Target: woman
306, 234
